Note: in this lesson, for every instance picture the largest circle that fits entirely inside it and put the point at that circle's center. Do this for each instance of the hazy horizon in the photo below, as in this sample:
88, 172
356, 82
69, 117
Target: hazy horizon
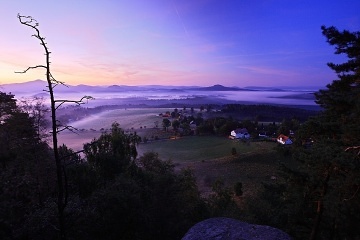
159, 95
172, 42
285, 87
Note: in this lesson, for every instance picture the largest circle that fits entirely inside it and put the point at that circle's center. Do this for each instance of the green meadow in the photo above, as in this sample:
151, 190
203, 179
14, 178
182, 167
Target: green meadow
209, 157
201, 148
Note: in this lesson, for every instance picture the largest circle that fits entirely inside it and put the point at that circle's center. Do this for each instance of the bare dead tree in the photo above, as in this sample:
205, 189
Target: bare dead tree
62, 196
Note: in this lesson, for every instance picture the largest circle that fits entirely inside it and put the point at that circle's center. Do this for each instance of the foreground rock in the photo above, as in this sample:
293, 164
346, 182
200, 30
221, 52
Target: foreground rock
231, 229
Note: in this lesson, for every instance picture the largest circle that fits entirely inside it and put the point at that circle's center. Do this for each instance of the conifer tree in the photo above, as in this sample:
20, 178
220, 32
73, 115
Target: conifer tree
324, 190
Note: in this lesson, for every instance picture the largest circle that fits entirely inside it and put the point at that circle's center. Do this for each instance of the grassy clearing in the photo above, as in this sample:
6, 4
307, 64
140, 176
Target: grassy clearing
200, 148
209, 157
249, 169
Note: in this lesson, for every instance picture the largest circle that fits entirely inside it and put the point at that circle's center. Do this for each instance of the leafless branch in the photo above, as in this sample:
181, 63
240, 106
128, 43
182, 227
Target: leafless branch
29, 68
353, 148
71, 154
56, 82
78, 102
70, 128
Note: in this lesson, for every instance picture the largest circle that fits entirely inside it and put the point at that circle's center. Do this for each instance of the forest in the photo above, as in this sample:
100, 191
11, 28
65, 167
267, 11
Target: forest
109, 192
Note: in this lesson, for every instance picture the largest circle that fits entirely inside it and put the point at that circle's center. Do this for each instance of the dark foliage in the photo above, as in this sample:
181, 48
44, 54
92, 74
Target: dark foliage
268, 112
26, 167
320, 197
144, 199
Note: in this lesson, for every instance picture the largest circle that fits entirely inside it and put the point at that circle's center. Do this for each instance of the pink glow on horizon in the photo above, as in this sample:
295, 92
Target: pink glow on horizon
174, 42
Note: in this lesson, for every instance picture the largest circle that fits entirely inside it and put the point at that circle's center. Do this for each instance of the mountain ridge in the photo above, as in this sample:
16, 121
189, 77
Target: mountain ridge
38, 85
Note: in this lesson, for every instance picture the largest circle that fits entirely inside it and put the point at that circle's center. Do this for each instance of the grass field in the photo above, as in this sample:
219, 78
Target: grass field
200, 148
209, 157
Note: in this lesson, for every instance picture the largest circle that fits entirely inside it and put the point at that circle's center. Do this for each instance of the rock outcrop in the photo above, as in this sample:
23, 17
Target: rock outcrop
231, 229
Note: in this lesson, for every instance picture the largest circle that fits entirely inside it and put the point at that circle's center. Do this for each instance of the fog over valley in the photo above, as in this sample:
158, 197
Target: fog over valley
156, 95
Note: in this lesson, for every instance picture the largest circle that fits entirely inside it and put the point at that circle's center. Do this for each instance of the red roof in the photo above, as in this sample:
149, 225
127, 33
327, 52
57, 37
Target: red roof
283, 137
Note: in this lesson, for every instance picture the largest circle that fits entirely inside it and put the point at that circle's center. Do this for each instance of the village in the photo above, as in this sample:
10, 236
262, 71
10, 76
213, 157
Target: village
213, 122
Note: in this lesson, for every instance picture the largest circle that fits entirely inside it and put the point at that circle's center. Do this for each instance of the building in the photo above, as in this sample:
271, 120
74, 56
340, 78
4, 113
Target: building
240, 133
285, 140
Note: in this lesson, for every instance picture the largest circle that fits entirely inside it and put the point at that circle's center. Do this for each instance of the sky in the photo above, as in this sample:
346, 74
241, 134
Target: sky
175, 42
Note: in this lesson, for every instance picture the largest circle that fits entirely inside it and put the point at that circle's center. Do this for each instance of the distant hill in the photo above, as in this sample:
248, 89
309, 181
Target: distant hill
37, 86
31, 86
86, 88
217, 87
119, 88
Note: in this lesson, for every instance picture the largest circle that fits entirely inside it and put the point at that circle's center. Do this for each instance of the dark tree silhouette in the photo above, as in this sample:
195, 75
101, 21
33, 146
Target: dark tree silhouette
325, 185
166, 123
56, 126
27, 171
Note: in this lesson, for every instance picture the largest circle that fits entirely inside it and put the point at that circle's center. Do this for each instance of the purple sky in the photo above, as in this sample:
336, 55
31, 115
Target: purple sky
176, 42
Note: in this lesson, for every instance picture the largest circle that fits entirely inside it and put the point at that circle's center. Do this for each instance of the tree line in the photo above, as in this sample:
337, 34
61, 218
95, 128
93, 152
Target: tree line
221, 125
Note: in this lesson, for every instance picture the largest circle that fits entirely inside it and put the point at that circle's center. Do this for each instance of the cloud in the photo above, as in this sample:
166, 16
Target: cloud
130, 73
268, 71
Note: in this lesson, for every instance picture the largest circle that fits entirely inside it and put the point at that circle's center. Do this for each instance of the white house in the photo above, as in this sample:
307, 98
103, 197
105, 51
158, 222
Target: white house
282, 139
241, 133
263, 134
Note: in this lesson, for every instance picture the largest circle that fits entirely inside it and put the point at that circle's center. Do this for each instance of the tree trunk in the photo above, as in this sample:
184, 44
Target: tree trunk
320, 208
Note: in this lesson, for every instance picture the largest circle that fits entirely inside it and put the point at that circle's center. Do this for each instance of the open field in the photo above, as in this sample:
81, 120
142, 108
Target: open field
76, 141
130, 118
201, 148
127, 118
209, 157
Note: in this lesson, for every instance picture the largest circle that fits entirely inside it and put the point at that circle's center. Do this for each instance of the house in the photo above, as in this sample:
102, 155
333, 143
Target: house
285, 140
263, 135
240, 133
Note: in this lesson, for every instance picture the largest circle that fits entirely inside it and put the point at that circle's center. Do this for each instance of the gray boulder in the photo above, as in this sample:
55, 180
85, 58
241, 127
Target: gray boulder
231, 229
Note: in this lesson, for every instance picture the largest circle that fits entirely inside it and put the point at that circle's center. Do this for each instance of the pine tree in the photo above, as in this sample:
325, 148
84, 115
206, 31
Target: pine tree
323, 192
341, 99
